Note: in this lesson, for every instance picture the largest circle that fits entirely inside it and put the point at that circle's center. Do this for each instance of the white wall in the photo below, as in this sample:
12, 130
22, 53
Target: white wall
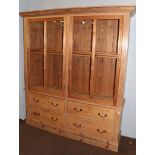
129, 115
23, 6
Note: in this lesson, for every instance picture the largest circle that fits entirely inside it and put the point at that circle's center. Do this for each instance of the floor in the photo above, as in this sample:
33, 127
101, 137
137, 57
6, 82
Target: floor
34, 141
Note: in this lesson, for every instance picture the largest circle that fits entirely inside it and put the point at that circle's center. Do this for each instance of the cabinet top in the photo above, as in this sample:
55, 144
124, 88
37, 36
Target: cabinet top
82, 10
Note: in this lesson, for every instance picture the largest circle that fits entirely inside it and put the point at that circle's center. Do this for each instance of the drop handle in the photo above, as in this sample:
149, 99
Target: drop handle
103, 116
75, 109
36, 113
54, 105
77, 125
36, 100
99, 131
54, 119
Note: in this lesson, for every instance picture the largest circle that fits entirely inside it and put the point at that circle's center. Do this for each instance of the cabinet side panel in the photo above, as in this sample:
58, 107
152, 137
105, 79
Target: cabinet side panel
123, 61
26, 60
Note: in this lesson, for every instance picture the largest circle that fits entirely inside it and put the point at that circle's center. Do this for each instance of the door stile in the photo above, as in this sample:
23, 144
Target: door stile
93, 60
45, 53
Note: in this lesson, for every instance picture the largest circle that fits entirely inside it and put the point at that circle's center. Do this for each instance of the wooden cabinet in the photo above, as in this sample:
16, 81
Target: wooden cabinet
75, 63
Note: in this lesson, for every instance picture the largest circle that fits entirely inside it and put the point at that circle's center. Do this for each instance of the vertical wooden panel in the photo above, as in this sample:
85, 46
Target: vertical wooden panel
93, 59
45, 53
106, 36
104, 76
123, 61
69, 48
37, 35
26, 58
117, 125
55, 35
54, 71
118, 65
81, 74
82, 35
36, 69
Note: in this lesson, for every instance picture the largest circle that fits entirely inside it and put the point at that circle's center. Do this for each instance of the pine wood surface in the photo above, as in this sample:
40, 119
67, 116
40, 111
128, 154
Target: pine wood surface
75, 63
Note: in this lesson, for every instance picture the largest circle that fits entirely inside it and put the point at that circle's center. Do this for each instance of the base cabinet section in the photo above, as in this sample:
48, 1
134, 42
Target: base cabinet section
91, 122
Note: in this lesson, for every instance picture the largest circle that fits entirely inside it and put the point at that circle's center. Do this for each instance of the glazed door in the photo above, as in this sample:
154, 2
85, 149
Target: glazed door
94, 58
46, 55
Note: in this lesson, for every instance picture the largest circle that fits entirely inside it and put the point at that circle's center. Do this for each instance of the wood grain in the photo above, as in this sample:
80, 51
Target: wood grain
36, 69
82, 35
55, 35
75, 63
104, 76
82, 10
54, 70
106, 36
36, 35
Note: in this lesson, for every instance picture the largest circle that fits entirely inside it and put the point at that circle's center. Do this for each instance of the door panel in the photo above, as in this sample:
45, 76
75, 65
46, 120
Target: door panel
81, 74
82, 35
36, 69
55, 35
106, 36
54, 70
104, 76
37, 36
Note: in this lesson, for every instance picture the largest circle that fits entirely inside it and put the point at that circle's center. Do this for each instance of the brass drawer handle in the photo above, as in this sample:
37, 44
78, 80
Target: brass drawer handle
75, 109
103, 116
77, 125
54, 105
54, 119
99, 131
36, 113
36, 100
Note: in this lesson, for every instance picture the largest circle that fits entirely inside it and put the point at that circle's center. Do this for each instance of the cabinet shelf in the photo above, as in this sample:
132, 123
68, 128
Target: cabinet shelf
48, 91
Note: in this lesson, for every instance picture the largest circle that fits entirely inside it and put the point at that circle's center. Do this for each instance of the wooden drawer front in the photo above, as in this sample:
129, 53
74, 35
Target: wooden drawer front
98, 130
90, 128
75, 125
44, 116
94, 112
51, 103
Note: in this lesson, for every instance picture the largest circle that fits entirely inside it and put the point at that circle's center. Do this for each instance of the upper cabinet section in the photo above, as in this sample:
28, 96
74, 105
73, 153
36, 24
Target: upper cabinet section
107, 36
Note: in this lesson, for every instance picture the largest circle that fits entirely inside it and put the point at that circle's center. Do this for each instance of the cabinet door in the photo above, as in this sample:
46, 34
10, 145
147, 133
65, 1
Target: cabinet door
106, 49
81, 57
94, 58
54, 65
36, 78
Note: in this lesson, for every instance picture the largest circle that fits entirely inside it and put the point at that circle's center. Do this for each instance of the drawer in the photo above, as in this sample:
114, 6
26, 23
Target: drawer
51, 103
75, 125
92, 111
45, 116
98, 130
90, 128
